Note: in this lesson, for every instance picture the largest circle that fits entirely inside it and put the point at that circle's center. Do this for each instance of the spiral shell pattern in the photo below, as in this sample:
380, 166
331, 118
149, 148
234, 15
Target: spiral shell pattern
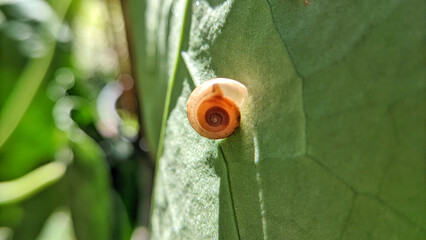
213, 108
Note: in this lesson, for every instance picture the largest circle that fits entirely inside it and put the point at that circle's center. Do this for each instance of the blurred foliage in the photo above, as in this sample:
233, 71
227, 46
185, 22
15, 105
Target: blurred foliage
68, 165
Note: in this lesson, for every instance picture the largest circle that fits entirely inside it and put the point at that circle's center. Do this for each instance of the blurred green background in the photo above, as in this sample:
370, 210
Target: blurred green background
73, 164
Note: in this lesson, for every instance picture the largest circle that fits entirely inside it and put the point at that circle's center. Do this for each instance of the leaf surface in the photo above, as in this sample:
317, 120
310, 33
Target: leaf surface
331, 144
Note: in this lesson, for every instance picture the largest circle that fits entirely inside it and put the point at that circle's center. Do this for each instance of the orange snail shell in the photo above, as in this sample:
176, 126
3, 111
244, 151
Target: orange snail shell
213, 108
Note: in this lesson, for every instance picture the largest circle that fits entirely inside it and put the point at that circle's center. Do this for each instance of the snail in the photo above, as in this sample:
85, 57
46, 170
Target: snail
213, 108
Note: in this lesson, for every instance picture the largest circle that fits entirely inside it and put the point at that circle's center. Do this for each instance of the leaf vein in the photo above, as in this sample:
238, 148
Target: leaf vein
230, 190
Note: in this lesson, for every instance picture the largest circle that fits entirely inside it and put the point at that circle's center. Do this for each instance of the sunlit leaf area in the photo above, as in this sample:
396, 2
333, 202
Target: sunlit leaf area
73, 164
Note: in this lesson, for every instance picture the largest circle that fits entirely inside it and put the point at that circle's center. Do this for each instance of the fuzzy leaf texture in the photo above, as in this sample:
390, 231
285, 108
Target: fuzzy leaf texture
333, 134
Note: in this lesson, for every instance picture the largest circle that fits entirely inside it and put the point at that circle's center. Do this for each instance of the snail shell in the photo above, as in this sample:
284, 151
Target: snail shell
213, 108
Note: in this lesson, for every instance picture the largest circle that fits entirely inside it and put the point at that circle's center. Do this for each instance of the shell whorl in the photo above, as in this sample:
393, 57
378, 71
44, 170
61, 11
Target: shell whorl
213, 108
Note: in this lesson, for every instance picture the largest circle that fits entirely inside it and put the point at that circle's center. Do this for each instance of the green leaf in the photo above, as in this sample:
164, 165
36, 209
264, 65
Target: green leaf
26, 87
40, 141
331, 144
31, 183
88, 177
57, 226
180, 29
31, 214
89, 187
157, 50
5, 233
